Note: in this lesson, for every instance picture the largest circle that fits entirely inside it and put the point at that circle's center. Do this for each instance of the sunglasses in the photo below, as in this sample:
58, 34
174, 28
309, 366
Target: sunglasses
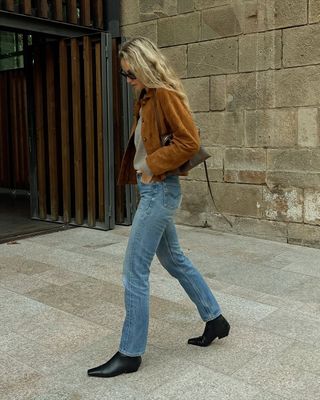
128, 74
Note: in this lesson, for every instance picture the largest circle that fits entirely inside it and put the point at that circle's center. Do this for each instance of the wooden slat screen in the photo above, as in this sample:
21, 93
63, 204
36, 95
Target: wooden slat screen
14, 157
90, 12
70, 131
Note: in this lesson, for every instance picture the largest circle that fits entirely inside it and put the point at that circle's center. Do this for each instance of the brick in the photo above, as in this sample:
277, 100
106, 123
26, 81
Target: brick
245, 159
308, 127
260, 51
314, 11
198, 93
221, 128
156, 9
283, 205
219, 22
216, 57
243, 200
177, 57
129, 12
262, 15
301, 46
305, 235
296, 87
197, 199
286, 179
276, 231
218, 92
294, 160
147, 29
180, 29
253, 90
271, 128
312, 206
246, 176
185, 6
203, 4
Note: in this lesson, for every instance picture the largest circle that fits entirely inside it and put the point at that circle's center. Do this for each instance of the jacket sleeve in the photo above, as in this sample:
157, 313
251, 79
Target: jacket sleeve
185, 142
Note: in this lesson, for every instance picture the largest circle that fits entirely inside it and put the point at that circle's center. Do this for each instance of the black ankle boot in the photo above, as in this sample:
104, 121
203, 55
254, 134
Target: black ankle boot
118, 364
218, 327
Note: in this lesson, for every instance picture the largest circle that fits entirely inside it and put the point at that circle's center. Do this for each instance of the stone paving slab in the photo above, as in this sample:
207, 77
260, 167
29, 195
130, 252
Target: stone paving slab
61, 312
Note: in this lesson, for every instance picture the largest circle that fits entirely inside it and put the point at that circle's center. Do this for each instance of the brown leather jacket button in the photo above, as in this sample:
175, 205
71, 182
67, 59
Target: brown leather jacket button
144, 139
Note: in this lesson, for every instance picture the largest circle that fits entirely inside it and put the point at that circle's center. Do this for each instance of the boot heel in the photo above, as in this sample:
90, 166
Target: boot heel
225, 333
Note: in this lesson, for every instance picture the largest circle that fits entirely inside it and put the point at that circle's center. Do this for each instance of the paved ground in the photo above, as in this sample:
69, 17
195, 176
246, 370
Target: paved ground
62, 310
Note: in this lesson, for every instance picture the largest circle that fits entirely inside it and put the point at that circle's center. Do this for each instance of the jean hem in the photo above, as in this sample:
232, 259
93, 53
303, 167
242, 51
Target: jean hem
212, 317
126, 353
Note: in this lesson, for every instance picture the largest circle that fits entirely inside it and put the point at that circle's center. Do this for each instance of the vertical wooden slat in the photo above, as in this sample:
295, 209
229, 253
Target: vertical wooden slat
20, 134
85, 12
57, 10
98, 13
99, 124
77, 140
26, 7
4, 145
9, 5
52, 132
89, 127
72, 11
14, 126
42, 8
39, 127
65, 143
24, 118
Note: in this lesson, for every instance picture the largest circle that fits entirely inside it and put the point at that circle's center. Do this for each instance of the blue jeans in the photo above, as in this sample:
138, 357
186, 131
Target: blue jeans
153, 232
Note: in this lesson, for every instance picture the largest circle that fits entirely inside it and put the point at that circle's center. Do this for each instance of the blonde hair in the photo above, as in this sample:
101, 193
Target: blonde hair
151, 67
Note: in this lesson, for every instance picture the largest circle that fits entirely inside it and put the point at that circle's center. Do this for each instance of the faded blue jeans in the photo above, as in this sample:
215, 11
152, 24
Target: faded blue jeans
153, 232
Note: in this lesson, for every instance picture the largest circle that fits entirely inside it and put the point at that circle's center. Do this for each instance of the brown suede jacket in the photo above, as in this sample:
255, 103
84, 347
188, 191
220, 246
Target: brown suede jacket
174, 118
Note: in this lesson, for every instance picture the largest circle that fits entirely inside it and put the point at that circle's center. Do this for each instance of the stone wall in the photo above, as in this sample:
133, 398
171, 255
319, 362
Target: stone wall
252, 72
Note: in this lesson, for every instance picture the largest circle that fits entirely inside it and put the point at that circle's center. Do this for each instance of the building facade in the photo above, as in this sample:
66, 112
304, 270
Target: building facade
252, 72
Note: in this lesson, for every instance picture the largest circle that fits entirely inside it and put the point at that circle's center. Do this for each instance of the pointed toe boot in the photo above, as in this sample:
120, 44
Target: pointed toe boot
118, 364
217, 328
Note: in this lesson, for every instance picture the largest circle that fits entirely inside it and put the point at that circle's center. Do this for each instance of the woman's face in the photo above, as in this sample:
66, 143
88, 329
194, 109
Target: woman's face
135, 83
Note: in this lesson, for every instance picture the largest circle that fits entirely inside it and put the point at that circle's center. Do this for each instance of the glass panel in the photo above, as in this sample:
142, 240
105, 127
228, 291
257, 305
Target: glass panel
11, 50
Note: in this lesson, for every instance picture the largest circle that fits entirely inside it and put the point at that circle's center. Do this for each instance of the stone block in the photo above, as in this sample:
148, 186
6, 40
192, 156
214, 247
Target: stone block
245, 159
221, 128
177, 57
213, 58
271, 128
276, 231
180, 29
262, 15
251, 91
157, 9
241, 200
218, 91
198, 93
129, 12
296, 87
220, 22
147, 29
214, 165
260, 51
314, 11
301, 46
312, 206
197, 199
308, 127
185, 6
286, 179
283, 205
246, 176
305, 235
294, 160
203, 4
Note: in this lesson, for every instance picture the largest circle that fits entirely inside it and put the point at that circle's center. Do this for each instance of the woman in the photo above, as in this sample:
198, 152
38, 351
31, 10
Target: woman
148, 163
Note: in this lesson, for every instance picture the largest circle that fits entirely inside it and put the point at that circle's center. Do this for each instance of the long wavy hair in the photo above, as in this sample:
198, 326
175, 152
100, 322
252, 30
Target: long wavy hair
151, 67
